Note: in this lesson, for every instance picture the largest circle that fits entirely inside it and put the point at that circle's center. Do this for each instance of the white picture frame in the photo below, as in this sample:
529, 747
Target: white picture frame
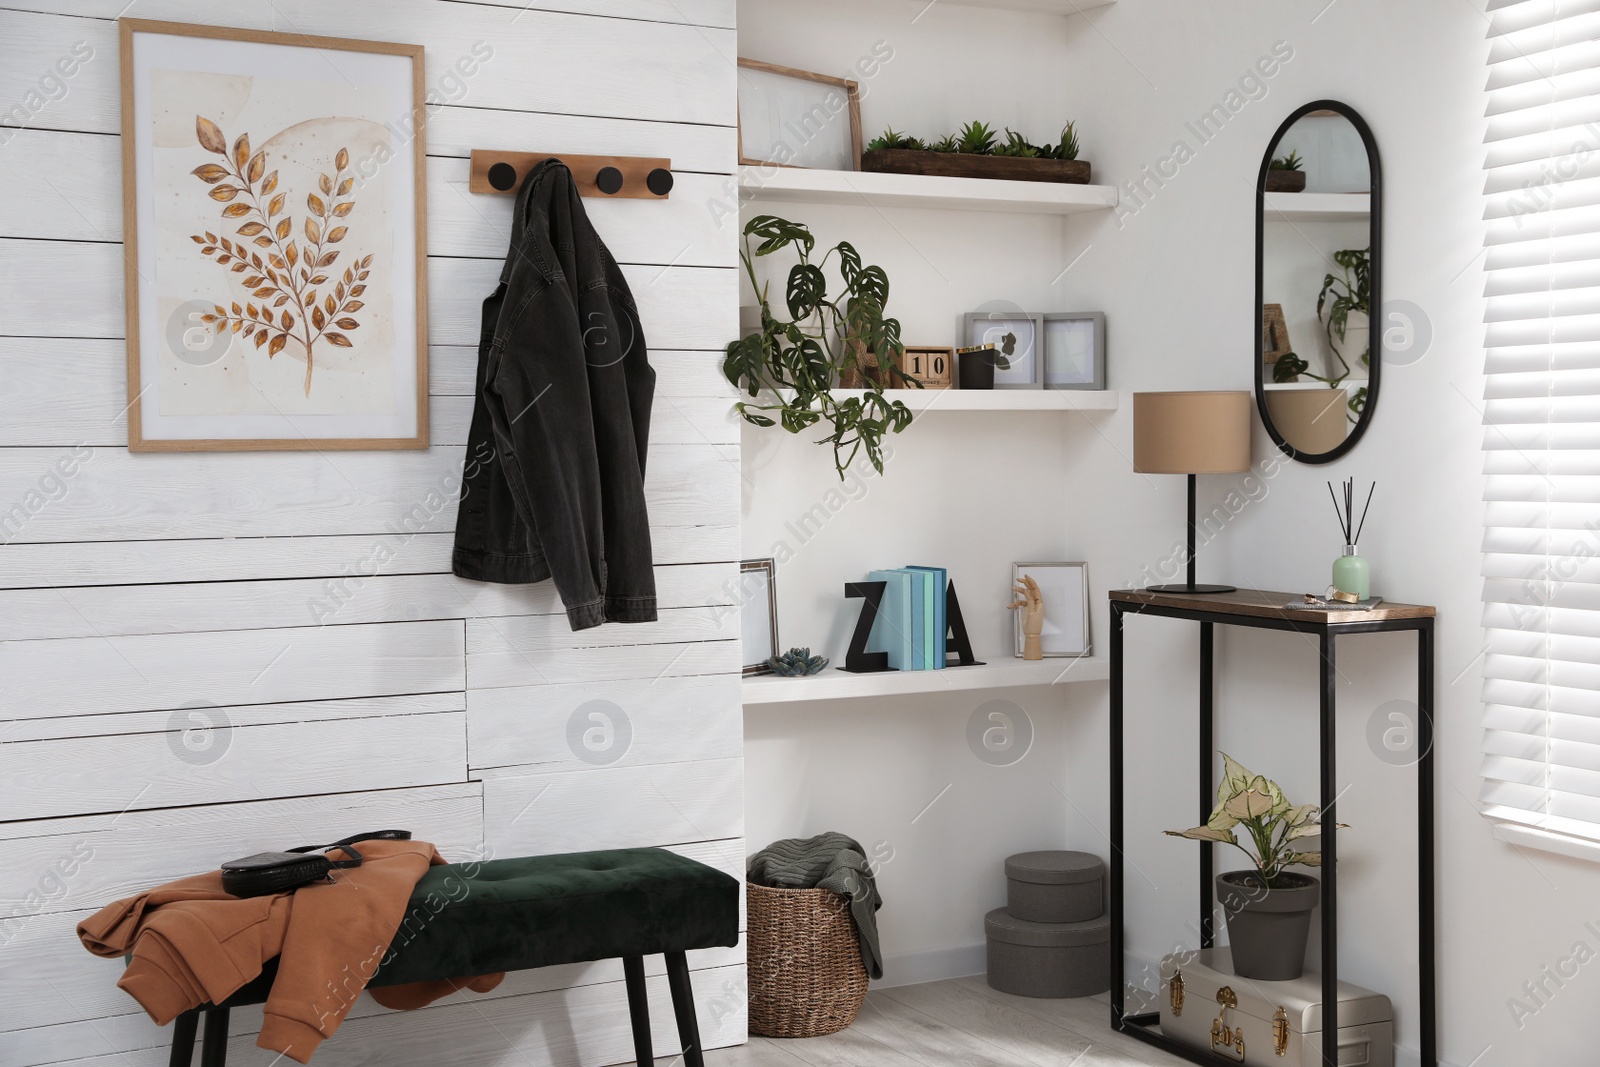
1075, 350
1023, 331
1064, 587
758, 615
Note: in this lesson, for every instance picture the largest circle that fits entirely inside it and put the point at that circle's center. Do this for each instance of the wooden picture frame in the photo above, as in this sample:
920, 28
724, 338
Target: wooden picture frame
229, 360
1065, 590
758, 615
1071, 360
1026, 358
843, 91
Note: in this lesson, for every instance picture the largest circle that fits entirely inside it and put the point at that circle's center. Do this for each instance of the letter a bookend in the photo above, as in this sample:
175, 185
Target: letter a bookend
956, 639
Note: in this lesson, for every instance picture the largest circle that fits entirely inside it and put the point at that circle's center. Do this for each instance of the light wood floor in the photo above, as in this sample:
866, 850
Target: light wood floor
957, 1023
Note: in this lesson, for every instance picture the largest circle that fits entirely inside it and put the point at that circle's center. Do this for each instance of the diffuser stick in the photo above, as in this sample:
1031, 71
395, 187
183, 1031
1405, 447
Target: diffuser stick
1363, 523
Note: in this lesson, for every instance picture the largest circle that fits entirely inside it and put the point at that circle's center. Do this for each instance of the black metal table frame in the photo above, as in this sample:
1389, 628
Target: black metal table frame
1326, 632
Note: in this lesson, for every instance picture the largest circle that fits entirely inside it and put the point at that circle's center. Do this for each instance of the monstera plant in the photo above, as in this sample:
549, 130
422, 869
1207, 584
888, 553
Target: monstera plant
791, 364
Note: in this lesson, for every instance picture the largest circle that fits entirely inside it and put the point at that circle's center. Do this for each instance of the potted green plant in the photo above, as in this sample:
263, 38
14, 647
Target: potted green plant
792, 363
978, 152
1285, 174
1267, 907
1344, 307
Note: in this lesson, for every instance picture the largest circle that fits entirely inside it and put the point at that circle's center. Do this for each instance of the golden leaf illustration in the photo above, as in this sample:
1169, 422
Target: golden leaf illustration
224, 192
210, 136
241, 151
327, 259
258, 164
313, 231
341, 210
270, 184
277, 345
318, 319
331, 305
276, 205
325, 183
261, 339
338, 339
354, 305
345, 186
347, 323
314, 202
287, 321
341, 161
210, 173
285, 227
235, 211
250, 229
336, 234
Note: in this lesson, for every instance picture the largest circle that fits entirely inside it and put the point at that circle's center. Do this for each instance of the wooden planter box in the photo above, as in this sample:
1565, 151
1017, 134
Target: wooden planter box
958, 165
1286, 181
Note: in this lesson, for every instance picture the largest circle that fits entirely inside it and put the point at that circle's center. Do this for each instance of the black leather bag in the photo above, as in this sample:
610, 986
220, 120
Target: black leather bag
279, 872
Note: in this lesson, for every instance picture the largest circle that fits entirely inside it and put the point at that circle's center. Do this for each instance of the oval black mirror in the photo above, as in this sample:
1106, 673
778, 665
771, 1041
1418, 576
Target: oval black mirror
1319, 268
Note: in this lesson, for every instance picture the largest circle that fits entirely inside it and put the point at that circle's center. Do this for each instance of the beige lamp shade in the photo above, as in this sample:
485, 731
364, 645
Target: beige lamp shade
1191, 433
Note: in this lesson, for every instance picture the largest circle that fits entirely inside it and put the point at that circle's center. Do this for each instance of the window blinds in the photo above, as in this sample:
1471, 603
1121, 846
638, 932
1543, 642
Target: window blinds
1541, 446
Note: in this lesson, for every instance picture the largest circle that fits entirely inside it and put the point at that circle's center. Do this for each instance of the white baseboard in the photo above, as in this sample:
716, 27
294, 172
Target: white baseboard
933, 965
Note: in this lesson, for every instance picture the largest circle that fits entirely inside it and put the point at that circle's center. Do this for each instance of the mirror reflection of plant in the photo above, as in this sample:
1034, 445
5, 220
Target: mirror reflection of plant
820, 339
1351, 291
1291, 161
1257, 805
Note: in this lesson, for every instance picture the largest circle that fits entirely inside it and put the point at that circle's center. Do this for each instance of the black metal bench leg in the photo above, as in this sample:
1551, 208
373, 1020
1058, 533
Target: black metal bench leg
215, 1051
183, 1028
683, 1008
638, 1010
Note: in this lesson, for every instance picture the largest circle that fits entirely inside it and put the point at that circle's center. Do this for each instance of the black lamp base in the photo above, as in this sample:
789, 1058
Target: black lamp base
1184, 588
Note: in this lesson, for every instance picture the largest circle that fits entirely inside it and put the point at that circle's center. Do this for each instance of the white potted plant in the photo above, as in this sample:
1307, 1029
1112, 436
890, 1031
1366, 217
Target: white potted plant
1267, 907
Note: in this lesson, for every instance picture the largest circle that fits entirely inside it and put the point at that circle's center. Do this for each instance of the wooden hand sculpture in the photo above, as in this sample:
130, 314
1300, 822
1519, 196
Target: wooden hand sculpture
1031, 603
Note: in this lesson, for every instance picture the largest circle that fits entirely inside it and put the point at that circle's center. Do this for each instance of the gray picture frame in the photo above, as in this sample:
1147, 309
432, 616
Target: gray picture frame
976, 324
1066, 626
1061, 370
758, 615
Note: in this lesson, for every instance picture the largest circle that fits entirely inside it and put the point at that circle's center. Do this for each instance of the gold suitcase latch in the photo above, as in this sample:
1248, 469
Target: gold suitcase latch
1224, 1038
1280, 1032
1175, 994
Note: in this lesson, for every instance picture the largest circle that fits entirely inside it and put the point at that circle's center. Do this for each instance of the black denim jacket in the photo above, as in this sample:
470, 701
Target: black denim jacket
553, 485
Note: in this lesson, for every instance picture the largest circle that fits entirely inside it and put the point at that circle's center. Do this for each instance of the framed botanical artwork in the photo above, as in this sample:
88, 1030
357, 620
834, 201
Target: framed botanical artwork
1016, 337
794, 118
1075, 350
758, 614
274, 215
1064, 588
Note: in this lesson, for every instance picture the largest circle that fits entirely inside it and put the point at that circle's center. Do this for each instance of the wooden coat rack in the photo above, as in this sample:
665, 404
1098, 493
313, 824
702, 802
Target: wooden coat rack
615, 177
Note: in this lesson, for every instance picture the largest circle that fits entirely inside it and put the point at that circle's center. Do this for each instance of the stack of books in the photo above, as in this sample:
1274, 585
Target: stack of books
911, 625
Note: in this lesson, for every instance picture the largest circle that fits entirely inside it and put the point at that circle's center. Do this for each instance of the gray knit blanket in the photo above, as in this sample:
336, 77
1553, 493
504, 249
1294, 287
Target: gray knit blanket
828, 861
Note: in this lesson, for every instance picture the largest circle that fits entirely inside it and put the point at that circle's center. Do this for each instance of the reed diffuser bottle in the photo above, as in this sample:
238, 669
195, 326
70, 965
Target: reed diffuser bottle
1351, 573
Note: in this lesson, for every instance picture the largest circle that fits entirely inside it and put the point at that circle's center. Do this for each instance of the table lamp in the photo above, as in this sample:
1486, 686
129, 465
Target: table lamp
1191, 433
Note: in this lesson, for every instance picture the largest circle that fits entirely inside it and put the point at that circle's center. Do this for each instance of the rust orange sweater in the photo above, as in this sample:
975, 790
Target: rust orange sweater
193, 943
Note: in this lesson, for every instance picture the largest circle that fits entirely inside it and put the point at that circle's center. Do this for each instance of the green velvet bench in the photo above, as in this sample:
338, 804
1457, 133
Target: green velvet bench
540, 911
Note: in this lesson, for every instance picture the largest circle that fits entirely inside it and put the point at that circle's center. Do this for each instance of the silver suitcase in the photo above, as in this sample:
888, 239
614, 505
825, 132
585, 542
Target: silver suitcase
1268, 1024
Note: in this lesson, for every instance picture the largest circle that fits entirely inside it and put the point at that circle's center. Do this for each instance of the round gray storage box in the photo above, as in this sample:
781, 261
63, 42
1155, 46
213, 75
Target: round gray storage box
1055, 887
1048, 959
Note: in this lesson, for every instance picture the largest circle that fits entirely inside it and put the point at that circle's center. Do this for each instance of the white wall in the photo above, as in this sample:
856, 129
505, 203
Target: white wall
138, 586
1174, 278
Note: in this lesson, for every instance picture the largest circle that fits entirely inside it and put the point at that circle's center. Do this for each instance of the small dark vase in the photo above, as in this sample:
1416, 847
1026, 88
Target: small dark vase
1267, 928
975, 370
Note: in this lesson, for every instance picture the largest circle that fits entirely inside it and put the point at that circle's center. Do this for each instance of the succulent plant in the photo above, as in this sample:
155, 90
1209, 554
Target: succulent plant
947, 143
797, 662
892, 139
977, 138
1289, 162
1016, 145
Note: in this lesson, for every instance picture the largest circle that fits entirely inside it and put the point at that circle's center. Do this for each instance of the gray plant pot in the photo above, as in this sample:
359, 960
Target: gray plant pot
1267, 928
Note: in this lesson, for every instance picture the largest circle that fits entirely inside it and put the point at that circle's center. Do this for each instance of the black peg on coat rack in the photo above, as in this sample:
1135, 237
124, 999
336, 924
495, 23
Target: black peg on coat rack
609, 180
659, 181
503, 176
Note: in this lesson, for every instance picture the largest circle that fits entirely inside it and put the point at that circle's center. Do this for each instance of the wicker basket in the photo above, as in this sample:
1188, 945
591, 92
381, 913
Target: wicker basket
804, 957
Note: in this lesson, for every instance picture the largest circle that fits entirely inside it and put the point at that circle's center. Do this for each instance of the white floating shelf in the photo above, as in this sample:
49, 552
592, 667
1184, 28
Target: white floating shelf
1317, 207
800, 185
997, 673
1289, 387
924, 400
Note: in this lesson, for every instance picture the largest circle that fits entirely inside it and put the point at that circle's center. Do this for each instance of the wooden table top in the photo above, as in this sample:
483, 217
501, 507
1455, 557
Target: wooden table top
1266, 603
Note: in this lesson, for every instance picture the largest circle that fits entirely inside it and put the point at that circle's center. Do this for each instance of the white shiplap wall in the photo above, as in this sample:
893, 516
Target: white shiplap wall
132, 587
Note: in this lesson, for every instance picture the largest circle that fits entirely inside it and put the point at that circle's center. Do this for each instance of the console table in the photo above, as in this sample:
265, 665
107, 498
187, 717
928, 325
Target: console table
1266, 610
